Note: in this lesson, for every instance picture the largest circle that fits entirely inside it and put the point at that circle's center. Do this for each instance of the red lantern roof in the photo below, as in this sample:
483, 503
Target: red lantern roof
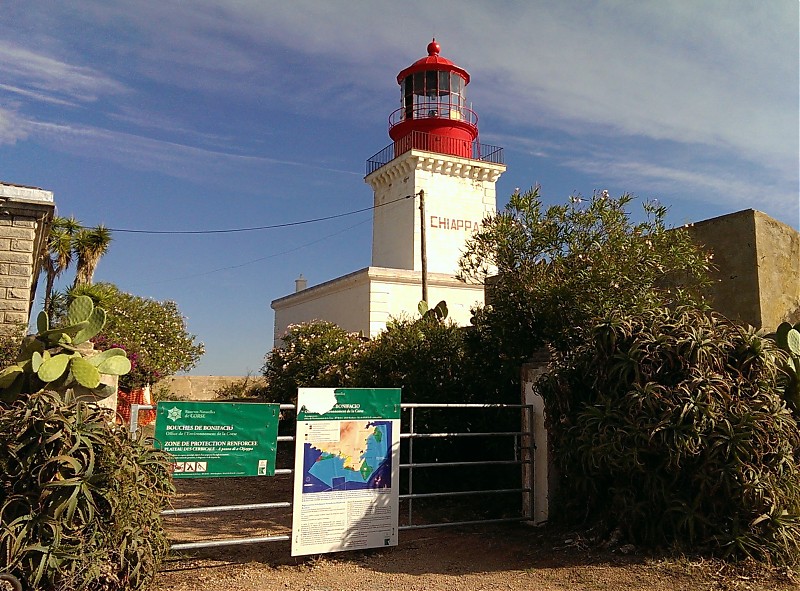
433, 61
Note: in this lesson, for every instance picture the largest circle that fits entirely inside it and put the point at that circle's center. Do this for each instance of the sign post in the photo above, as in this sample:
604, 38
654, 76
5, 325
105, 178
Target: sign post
218, 439
346, 490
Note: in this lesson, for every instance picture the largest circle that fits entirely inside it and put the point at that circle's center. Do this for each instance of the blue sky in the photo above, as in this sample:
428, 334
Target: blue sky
218, 114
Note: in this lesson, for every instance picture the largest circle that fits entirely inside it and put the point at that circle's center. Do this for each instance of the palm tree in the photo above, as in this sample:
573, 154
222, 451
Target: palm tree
58, 256
89, 246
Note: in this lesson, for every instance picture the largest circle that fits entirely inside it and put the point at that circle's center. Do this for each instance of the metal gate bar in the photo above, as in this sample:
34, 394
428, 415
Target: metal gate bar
525, 438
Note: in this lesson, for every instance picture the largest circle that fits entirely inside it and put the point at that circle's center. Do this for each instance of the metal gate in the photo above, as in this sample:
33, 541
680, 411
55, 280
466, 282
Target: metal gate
519, 456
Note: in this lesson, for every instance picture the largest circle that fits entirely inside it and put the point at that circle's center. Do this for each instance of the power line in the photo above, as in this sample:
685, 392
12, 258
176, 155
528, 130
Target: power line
255, 228
271, 256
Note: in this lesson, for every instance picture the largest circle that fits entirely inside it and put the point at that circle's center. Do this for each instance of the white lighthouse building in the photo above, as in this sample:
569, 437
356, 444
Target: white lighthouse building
433, 185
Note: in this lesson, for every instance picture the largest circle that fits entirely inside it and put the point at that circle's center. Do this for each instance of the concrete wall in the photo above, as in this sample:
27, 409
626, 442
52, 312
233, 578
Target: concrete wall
757, 280
25, 217
778, 264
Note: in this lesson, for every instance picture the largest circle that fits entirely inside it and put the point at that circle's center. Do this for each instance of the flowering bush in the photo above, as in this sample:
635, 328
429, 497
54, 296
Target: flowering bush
314, 354
152, 333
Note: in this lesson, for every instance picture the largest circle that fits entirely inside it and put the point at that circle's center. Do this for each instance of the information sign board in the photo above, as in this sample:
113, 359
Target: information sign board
346, 490
218, 439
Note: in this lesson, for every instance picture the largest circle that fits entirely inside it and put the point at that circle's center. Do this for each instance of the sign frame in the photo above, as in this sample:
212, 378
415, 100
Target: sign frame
218, 439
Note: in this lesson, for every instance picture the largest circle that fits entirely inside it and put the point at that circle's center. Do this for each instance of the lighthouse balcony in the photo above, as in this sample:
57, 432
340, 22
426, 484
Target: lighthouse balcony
440, 144
434, 110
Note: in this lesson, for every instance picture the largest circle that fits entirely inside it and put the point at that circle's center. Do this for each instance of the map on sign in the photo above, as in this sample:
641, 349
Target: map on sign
355, 457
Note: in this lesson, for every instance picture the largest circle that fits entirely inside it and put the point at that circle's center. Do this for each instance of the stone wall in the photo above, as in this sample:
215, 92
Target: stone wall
25, 217
200, 387
757, 280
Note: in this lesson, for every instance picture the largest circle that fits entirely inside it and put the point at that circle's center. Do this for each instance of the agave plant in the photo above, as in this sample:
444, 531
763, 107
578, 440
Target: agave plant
58, 358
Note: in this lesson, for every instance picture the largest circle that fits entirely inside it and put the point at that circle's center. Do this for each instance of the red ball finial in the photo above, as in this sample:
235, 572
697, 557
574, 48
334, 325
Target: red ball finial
433, 47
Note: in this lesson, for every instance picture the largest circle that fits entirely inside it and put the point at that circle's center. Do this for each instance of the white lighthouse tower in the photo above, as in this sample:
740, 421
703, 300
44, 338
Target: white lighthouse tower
433, 185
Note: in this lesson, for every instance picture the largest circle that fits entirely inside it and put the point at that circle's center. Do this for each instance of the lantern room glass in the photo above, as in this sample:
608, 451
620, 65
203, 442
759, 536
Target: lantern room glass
433, 93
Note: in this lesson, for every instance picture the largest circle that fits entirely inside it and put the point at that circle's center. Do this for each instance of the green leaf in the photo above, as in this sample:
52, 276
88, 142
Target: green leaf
115, 366
36, 361
42, 322
29, 345
80, 310
793, 342
96, 321
98, 359
85, 373
53, 368
780, 334
9, 374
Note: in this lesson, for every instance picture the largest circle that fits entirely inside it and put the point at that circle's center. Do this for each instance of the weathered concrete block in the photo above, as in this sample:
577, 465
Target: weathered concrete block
14, 305
19, 245
17, 293
9, 281
21, 233
16, 257
23, 223
757, 280
5, 243
14, 317
23, 270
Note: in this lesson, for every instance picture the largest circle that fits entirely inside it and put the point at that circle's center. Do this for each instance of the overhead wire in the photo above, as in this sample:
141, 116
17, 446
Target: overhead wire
258, 260
256, 228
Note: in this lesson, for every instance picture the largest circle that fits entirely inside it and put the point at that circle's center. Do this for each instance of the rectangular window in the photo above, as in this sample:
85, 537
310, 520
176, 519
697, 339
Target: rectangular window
444, 83
431, 83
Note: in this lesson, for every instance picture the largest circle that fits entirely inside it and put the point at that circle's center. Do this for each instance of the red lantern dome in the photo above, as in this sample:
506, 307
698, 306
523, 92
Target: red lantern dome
433, 115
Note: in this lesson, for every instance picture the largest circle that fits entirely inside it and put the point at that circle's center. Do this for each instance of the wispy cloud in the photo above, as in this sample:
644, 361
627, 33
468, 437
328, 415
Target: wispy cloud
12, 127
138, 152
45, 78
701, 79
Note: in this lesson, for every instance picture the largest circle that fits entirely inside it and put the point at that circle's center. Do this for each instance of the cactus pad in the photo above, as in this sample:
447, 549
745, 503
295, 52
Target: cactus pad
116, 366
53, 368
85, 373
793, 342
96, 322
80, 309
42, 322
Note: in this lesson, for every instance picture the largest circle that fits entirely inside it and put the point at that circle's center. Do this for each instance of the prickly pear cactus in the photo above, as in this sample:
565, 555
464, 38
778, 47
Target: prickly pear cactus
57, 358
788, 338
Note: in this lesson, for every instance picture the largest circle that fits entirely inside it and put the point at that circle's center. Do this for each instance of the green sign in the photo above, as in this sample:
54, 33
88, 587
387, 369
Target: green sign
325, 404
218, 439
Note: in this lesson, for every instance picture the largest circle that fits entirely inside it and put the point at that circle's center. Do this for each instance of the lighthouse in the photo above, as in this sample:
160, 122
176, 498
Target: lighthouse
433, 185
435, 150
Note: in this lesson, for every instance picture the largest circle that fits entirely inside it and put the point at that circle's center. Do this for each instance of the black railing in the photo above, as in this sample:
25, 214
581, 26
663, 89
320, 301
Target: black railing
434, 110
429, 142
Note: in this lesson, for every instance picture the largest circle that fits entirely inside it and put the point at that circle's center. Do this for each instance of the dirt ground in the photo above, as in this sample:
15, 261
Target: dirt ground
491, 557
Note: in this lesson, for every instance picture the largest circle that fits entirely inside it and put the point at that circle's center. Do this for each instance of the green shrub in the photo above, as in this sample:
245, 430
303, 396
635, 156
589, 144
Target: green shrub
673, 427
316, 354
79, 502
425, 356
153, 334
247, 388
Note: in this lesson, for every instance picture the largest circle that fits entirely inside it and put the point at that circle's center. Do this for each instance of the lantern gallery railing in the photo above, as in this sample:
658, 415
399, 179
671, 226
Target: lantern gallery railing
434, 109
417, 140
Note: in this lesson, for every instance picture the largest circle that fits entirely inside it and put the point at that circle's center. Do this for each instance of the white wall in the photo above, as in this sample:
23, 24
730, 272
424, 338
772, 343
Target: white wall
459, 193
365, 300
